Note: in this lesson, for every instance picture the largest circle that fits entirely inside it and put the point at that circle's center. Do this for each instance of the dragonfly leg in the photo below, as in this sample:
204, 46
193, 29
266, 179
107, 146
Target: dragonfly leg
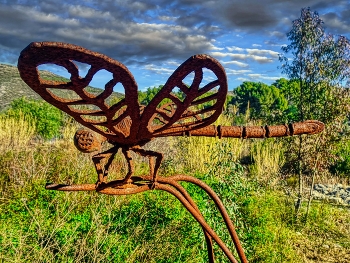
102, 169
153, 167
130, 163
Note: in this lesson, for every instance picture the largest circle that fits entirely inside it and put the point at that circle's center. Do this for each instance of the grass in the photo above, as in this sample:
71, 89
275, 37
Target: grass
37, 225
267, 155
15, 133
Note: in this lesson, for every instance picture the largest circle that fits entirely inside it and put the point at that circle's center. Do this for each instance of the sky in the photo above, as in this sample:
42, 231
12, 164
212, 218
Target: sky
152, 38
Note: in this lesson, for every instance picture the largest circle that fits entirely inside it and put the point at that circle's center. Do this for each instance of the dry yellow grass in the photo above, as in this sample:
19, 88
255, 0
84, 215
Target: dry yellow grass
15, 133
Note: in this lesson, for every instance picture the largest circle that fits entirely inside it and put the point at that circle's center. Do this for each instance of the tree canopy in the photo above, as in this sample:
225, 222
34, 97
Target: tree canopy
263, 101
319, 62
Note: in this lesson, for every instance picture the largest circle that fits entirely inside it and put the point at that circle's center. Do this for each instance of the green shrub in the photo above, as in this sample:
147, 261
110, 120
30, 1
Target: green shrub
48, 119
341, 165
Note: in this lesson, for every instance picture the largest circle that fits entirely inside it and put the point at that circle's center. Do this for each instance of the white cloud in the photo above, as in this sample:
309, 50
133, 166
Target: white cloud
273, 44
159, 70
277, 34
37, 16
256, 58
237, 72
261, 77
260, 59
340, 25
267, 52
238, 56
216, 48
236, 63
219, 54
234, 48
87, 12
167, 18
242, 79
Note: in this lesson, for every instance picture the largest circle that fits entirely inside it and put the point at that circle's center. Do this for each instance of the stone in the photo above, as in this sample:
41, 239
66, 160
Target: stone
325, 246
339, 186
335, 200
337, 245
318, 195
347, 200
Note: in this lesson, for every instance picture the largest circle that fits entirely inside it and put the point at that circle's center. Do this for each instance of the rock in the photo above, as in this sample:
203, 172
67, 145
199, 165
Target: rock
337, 245
339, 186
343, 194
325, 246
318, 195
320, 187
335, 200
334, 193
347, 200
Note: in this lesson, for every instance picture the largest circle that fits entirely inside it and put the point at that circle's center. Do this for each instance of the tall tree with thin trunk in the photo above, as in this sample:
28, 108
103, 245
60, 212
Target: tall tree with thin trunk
320, 64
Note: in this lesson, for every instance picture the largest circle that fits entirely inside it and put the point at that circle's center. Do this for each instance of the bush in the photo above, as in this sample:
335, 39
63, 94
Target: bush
341, 165
48, 120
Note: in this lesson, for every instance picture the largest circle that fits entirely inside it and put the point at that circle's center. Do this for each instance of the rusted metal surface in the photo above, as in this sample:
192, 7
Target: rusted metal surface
177, 110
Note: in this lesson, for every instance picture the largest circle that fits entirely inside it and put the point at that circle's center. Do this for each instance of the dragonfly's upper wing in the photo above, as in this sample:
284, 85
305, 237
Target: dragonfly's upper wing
117, 120
178, 107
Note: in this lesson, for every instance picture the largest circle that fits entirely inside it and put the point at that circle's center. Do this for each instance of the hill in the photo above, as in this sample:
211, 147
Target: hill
13, 87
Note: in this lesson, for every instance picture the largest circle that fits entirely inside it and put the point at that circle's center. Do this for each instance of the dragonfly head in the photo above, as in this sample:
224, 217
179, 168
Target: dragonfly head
88, 141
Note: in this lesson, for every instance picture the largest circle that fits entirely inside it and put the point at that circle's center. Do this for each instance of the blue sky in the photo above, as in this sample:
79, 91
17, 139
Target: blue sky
152, 38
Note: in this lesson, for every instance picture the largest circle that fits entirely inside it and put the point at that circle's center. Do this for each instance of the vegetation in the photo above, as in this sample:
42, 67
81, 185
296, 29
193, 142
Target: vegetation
47, 119
264, 102
259, 181
49, 226
320, 66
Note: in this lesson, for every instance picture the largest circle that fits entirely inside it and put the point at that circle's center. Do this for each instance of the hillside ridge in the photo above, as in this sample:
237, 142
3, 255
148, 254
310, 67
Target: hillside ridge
13, 87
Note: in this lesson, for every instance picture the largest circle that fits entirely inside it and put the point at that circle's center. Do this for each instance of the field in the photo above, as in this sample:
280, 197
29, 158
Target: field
37, 225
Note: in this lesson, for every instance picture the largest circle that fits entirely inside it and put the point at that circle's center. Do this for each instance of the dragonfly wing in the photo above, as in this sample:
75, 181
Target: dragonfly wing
180, 107
118, 120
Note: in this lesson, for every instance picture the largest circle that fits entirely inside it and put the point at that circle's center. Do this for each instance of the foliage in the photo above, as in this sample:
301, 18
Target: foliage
290, 89
263, 101
319, 64
341, 166
50, 226
146, 97
48, 120
54, 227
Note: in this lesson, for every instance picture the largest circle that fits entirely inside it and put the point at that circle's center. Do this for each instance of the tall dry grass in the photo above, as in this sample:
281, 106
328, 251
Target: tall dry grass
15, 133
267, 159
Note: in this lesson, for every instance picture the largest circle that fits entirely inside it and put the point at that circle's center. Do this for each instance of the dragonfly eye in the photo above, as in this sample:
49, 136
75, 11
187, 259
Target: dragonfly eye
88, 141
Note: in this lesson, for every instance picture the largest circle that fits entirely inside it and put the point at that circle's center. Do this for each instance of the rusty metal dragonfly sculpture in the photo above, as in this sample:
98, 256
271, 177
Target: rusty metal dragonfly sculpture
176, 110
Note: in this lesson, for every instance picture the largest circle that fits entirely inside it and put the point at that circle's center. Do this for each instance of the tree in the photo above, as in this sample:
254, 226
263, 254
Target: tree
290, 90
146, 96
320, 65
264, 102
